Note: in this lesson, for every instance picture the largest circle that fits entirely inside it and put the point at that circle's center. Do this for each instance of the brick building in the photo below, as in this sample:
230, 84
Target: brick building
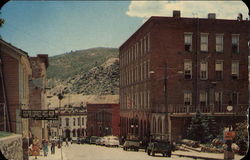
172, 67
103, 119
37, 88
14, 88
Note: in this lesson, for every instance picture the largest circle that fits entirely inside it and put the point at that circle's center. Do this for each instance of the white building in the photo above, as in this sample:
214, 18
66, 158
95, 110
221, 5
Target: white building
72, 123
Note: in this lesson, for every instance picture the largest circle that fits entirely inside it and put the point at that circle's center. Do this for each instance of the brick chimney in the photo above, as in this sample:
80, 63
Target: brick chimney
176, 14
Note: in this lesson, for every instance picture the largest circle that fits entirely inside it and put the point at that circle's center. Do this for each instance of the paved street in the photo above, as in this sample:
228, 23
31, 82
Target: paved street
93, 152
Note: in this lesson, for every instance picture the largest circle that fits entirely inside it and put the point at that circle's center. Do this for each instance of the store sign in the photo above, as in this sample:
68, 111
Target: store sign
39, 114
229, 135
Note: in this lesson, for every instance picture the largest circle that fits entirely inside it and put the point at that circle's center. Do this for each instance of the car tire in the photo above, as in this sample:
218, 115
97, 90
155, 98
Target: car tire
149, 152
153, 153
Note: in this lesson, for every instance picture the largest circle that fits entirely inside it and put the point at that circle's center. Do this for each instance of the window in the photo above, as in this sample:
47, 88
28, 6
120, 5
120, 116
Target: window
67, 121
83, 121
234, 98
148, 41
145, 44
235, 43
219, 70
218, 100
219, 43
74, 121
187, 69
235, 69
79, 121
203, 98
203, 71
204, 42
188, 42
187, 98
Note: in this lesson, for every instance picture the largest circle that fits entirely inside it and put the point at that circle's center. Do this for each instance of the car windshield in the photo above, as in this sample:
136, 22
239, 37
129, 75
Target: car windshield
161, 144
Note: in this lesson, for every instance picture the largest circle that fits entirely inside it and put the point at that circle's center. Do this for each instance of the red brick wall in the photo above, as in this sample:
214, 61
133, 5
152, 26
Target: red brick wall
93, 109
11, 78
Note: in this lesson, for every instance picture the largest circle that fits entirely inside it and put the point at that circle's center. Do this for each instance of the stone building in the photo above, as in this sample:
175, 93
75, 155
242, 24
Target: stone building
173, 67
14, 88
37, 87
103, 119
72, 122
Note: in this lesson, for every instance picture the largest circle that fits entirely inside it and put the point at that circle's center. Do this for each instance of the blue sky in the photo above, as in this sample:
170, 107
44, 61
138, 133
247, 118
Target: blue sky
55, 27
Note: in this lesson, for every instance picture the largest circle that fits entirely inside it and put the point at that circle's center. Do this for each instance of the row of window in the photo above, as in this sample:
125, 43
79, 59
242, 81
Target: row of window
136, 100
204, 99
67, 120
137, 73
204, 69
219, 41
137, 50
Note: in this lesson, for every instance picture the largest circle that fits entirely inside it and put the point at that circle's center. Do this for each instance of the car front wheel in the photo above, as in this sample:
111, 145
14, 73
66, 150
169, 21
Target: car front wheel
148, 152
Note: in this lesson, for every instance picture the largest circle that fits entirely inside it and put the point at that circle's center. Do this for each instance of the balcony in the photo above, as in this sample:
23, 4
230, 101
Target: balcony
181, 110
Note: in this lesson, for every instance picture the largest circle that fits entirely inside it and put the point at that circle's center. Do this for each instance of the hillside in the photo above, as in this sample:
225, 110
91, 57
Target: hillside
86, 72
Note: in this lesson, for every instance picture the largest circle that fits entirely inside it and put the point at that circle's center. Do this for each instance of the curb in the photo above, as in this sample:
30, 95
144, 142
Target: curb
196, 157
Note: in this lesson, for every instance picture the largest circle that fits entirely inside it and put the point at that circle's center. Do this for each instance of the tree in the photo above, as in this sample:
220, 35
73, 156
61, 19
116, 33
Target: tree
202, 128
241, 138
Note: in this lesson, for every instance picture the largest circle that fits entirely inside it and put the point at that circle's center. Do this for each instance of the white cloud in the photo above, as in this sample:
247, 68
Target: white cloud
223, 9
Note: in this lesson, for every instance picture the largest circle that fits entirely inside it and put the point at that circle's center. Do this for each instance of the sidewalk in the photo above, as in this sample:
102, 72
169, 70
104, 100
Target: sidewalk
204, 155
56, 156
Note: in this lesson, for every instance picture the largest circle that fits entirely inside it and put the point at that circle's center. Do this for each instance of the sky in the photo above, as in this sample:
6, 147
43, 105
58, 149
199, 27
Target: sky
56, 27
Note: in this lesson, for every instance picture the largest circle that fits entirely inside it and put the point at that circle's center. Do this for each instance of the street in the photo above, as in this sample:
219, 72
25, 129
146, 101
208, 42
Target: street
93, 152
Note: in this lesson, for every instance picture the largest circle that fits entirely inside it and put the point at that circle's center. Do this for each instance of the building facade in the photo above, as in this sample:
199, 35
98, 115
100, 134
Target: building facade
173, 67
37, 88
103, 120
72, 122
14, 88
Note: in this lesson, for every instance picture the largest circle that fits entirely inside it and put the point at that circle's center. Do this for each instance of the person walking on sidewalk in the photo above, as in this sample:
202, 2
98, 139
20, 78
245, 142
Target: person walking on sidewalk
45, 147
52, 148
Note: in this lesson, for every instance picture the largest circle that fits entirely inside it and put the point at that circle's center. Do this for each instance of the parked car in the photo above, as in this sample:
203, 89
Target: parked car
87, 140
98, 141
131, 144
73, 140
93, 139
103, 140
162, 147
112, 141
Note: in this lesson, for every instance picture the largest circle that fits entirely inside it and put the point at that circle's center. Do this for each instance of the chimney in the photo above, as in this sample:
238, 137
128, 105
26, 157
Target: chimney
211, 16
176, 14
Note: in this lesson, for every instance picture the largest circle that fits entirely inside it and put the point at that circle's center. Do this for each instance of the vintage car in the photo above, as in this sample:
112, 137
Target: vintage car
131, 145
163, 147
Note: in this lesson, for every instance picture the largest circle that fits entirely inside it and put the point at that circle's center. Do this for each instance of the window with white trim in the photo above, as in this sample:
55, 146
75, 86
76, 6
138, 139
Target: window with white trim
235, 43
235, 69
145, 44
187, 69
187, 98
203, 70
148, 41
218, 100
188, 42
204, 42
219, 70
219, 43
203, 98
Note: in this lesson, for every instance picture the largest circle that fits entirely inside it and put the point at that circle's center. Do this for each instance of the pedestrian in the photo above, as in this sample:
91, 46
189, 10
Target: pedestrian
67, 143
45, 147
52, 148
36, 147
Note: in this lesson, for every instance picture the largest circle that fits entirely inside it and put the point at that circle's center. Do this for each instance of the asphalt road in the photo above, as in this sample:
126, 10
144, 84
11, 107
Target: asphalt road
93, 152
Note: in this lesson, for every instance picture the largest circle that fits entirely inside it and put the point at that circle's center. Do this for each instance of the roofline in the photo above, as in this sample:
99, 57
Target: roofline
21, 52
162, 17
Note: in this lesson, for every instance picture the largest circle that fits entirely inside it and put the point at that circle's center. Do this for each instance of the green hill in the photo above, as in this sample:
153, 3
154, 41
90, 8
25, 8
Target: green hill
88, 72
67, 65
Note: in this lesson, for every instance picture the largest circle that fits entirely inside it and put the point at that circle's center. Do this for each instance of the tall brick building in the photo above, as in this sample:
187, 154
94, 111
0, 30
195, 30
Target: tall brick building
173, 67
